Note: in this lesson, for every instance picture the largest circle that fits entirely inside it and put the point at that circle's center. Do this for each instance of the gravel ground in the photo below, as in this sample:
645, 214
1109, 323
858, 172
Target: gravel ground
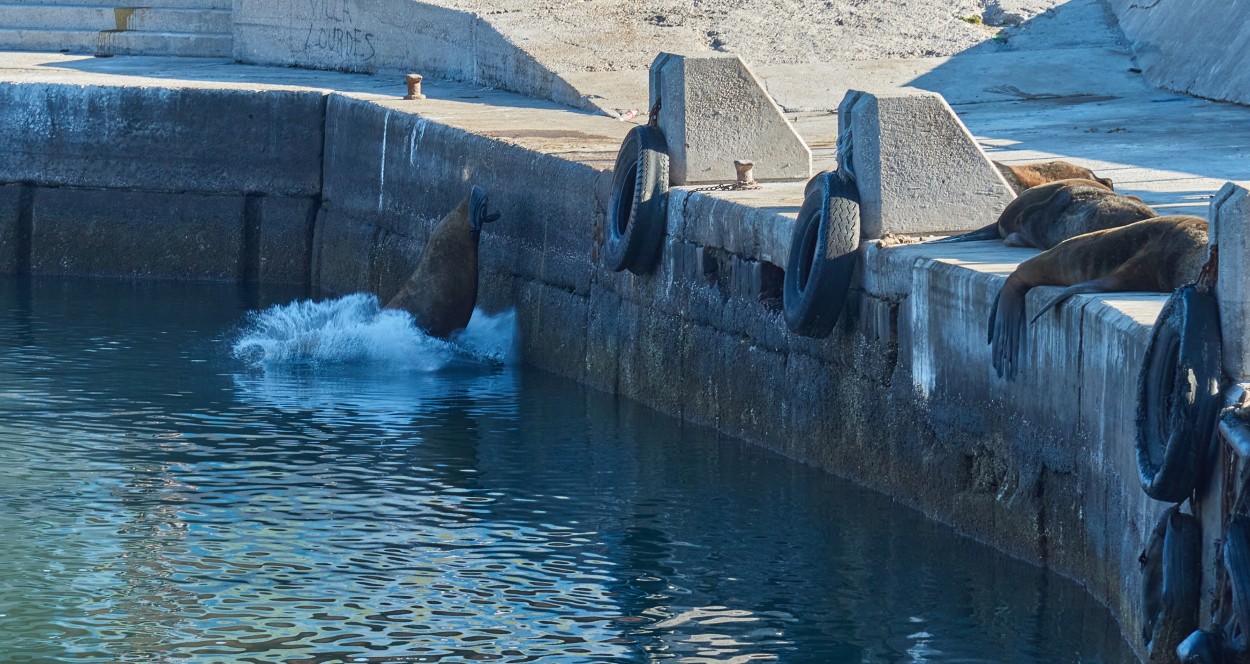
615, 35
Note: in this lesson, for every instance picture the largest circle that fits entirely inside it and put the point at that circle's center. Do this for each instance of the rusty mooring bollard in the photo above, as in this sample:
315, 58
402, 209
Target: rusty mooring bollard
745, 176
414, 86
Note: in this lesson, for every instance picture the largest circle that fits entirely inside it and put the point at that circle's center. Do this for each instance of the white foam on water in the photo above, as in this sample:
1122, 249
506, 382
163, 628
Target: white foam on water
356, 330
493, 337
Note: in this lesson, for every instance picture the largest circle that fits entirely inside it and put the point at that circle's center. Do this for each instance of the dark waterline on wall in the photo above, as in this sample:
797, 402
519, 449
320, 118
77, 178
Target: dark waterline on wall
165, 501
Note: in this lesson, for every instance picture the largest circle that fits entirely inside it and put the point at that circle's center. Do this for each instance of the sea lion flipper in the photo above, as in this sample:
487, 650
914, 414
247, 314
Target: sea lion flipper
987, 233
1007, 329
1016, 240
1101, 285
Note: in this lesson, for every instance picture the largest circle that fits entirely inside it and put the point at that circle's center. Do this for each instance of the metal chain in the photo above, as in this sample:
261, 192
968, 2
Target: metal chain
731, 186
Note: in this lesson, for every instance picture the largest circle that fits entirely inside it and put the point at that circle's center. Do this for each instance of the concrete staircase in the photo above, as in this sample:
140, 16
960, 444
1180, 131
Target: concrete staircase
117, 27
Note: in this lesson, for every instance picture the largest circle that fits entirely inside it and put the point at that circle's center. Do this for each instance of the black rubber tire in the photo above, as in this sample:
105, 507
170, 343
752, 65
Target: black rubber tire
1178, 396
1202, 647
823, 251
1237, 566
1182, 582
638, 211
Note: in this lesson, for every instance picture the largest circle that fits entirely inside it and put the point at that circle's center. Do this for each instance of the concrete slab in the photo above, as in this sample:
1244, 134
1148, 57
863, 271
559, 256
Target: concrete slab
390, 36
1230, 225
917, 168
102, 17
1194, 47
14, 247
137, 234
284, 237
142, 138
117, 43
715, 111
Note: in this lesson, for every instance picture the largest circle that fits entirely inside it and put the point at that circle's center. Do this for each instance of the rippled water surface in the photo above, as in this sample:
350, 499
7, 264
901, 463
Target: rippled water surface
165, 499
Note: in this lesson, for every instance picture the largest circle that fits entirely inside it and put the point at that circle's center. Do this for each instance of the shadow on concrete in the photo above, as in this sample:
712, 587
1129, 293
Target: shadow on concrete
1063, 84
221, 72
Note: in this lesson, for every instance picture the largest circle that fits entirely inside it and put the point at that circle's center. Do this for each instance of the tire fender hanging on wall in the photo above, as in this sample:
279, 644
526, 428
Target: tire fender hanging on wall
638, 210
1171, 582
823, 251
1178, 396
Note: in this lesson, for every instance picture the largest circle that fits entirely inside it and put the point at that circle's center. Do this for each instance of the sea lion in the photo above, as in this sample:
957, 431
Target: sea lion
1155, 255
1026, 176
442, 291
1048, 214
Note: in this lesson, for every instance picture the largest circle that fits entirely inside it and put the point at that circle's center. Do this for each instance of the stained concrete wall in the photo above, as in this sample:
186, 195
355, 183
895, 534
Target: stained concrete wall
900, 399
160, 182
1192, 46
391, 36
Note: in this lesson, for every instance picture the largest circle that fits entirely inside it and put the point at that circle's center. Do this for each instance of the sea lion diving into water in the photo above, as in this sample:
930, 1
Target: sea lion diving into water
1156, 255
1048, 214
442, 291
1026, 176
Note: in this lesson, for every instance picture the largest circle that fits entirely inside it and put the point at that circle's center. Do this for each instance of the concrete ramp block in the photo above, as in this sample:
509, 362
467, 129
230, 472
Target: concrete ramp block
1229, 217
714, 110
917, 167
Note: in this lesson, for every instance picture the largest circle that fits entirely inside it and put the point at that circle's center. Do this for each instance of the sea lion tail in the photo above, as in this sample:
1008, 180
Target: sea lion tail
988, 233
1007, 331
1100, 285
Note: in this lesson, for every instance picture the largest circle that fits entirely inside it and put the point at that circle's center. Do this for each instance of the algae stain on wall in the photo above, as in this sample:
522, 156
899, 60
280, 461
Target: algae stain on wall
122, 17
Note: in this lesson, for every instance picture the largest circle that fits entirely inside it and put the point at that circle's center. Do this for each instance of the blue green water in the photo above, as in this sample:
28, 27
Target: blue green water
364, 494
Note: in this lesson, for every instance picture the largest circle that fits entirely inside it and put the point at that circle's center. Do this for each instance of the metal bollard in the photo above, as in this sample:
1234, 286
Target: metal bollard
745, 175
414, 86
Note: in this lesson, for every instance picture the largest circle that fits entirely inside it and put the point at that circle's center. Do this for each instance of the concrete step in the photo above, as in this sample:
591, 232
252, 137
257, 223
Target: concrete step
214, 45
162, 4
142, 19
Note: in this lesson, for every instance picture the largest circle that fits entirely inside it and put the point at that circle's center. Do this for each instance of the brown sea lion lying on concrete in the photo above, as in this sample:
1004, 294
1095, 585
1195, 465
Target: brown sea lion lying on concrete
1155, 255
1026, 176
1048, 214
442, 291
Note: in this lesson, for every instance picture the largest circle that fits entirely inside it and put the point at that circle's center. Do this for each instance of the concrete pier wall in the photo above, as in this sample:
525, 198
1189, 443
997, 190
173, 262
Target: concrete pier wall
901, 398
1196, 47
388, 36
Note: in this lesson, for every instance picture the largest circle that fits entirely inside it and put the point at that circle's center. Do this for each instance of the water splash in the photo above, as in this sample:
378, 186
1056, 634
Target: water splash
356, 330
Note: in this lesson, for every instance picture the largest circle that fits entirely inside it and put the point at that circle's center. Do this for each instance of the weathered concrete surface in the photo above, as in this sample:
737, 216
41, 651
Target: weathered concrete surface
1196, 47
164, 139
1230, 230
109, 27
14, 229
715, 111
136, 234
390, 36
917, 168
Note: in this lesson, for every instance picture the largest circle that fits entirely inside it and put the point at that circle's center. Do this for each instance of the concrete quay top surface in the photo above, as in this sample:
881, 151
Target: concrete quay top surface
1172, 150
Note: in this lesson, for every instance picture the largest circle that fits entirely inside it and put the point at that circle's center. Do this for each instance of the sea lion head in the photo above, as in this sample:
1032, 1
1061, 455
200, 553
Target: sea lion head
477, 212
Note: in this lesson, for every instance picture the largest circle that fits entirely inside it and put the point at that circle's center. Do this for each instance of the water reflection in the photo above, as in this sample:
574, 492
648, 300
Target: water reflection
164, 501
